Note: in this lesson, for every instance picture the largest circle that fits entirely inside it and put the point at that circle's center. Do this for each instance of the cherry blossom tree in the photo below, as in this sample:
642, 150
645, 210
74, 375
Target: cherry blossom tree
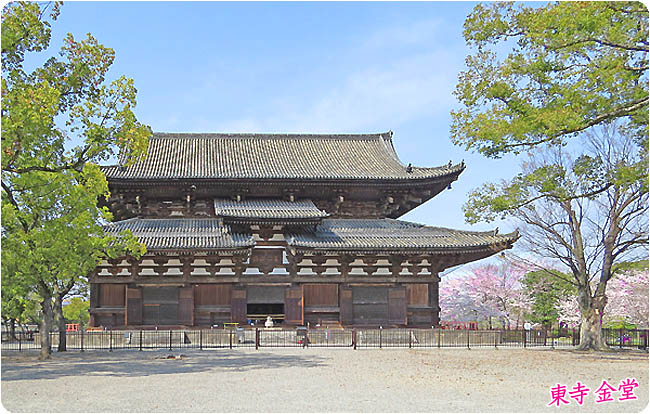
486, 292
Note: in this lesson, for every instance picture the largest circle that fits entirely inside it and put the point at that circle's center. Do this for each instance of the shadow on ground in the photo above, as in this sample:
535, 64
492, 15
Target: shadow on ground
611, 355
128, 363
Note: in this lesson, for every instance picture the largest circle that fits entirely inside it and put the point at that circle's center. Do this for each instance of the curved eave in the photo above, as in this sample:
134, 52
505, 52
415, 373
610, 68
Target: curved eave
447, 177
273, 220
433, 174
200, 250
503, 242
489, 250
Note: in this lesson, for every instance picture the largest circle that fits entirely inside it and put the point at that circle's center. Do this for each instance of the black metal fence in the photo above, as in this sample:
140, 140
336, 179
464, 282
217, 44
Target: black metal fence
330, 338
637, 338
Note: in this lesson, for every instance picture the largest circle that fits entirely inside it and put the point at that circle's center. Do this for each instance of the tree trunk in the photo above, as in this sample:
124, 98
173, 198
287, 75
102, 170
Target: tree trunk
46, 322
60, 322
591, 337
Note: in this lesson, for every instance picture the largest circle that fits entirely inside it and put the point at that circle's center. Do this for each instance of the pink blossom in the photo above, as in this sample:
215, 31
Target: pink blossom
488, 291
627, 301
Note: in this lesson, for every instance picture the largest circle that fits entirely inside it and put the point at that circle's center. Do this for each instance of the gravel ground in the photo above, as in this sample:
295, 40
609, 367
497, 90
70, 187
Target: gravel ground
316, 380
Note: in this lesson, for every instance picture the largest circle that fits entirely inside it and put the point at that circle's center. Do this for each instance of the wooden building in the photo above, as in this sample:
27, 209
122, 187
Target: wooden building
297, 226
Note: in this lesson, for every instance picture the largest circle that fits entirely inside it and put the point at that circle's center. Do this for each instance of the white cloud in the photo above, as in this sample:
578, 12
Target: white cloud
386, 95
384, 90
404, 34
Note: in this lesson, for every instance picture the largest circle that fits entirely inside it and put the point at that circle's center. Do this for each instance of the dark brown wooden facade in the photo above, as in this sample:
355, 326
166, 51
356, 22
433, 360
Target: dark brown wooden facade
293, 239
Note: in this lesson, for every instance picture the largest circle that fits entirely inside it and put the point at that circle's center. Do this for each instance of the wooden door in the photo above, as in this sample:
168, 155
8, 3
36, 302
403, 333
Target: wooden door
397, 305
133, 314
186, 306
346, 305
294, 306
238, 305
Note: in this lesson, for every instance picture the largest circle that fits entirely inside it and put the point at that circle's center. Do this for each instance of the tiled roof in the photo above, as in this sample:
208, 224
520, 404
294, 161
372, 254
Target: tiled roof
268, 209
389, 234
164, 234
269, 156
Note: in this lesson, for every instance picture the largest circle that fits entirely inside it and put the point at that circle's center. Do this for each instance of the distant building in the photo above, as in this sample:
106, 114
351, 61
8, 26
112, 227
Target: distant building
300, 227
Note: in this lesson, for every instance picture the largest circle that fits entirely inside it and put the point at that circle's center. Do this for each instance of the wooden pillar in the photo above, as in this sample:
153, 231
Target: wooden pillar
294, 305
369, 264
397, 305
413, 266
160, 262
318, 260
238, 260
186, 260
186, 306
396, 265
239, 303
344, 264
134, 304
94, 301
293, 266
346, 314
433, 299
213, 265
135, 266
114, 269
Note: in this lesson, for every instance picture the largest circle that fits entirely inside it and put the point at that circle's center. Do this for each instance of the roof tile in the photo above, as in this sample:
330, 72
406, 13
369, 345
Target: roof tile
271, 156
207, 233
272, 209
389, 234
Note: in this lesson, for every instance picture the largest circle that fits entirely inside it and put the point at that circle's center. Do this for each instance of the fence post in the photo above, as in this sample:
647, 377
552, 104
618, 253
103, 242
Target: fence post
620, 338
468, 339
110, 341
201, 339
380, 329
439, 336
410, 338
170, 339
20, 345
257, 338
524, 332
354, 339
495, 339
82, 340
140, 339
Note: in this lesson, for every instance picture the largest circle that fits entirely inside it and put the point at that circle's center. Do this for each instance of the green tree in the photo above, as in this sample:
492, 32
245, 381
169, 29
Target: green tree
542, 78
577, 210
77, 311
570, 66
630, 266
58, 121
546, 290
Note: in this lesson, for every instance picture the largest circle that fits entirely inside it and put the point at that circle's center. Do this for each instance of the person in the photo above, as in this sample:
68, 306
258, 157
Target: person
269, 322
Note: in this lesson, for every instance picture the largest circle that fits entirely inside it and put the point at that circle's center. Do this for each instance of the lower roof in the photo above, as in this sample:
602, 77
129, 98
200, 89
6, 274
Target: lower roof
335, 235
393, 235
260, 210
182, 234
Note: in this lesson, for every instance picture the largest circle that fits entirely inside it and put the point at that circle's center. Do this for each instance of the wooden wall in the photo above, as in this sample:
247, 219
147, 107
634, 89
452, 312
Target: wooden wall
205, 304
112, 295
212, 304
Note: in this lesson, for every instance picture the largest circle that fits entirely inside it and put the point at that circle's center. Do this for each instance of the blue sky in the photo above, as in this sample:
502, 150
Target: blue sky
299, 67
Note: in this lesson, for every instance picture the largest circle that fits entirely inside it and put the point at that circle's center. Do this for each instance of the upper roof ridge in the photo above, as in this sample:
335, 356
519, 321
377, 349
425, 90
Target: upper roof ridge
180, 155
274, 135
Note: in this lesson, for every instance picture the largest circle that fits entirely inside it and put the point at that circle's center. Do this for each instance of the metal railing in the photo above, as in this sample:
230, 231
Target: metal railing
328, 338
